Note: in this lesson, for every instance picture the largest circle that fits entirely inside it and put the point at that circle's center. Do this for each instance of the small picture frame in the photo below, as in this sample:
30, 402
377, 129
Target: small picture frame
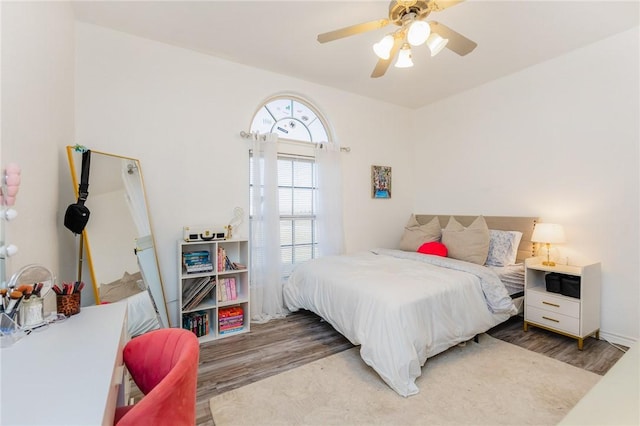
380, 182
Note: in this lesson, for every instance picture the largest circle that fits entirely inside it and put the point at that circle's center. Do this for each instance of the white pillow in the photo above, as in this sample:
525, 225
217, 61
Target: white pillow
503, 247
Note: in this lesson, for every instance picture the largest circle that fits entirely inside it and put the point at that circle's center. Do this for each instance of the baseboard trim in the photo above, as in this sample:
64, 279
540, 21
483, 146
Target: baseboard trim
617, 339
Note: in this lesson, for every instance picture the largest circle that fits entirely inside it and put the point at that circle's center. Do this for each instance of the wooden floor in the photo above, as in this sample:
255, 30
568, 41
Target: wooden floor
303, 337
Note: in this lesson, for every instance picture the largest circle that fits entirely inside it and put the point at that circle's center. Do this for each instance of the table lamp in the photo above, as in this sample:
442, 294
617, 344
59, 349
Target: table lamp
548, 233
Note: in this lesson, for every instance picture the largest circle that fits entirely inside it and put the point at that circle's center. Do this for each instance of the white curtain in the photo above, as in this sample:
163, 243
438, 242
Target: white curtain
329, 200
266, 276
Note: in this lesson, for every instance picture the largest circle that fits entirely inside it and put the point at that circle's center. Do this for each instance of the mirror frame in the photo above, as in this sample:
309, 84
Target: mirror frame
85, 240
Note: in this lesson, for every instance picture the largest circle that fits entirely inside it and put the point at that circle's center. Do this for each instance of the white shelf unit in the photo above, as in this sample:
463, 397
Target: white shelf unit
237, 251
577, 317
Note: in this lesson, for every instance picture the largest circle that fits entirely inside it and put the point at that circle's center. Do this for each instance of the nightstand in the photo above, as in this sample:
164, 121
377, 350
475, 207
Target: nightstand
577, 317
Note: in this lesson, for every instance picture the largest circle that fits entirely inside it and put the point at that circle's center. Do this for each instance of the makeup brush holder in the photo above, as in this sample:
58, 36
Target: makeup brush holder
31, 312
68, 304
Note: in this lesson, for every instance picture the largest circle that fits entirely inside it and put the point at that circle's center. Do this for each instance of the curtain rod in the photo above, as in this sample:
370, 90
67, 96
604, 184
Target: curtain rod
246, 135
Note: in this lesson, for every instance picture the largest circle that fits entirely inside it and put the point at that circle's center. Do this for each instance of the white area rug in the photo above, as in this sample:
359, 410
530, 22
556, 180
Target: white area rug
486, 383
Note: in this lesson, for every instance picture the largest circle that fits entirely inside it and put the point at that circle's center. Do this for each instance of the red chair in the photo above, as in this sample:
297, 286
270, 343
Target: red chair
164, 365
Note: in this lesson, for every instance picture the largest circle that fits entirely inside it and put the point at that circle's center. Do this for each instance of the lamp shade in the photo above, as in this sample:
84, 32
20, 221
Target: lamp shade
418, 33
382, 48
404, 57
436, 43
548, 233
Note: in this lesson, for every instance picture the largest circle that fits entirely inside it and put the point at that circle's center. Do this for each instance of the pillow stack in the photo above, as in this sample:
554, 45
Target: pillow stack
475, 243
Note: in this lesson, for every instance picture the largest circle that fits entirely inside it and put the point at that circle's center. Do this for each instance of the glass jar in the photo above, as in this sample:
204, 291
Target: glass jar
31, 312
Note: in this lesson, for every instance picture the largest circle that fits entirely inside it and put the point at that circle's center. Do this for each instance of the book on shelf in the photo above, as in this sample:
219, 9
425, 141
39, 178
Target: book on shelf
235, 323
199, 298
194, 269
230, 319
227, 289
196, 257
225, 264
196, 254
233, 330
197, 322
197, 261
222, 254
191, 288
233, 292
229, 265
230, 312
194, 292
223, 327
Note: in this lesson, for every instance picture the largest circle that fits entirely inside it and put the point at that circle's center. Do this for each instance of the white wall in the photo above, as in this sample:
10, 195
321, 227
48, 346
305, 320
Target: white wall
180, 112
37, 121
559, 141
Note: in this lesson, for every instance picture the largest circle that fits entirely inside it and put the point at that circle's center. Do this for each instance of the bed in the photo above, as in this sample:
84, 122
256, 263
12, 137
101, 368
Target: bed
402, 306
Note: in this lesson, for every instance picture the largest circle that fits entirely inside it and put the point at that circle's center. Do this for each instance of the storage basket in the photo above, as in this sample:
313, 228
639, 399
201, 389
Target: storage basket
570, 286
553, 281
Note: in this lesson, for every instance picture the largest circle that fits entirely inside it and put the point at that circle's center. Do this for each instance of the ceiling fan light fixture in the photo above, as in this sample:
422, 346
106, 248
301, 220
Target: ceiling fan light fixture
404, 57
436, 43
382, 48
418, 32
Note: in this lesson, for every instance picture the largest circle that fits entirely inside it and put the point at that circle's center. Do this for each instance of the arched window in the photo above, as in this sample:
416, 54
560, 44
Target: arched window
288, 185
291, 118
294, 119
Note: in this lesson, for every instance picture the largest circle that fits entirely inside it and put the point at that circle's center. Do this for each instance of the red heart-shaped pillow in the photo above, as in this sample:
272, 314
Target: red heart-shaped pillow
435, 248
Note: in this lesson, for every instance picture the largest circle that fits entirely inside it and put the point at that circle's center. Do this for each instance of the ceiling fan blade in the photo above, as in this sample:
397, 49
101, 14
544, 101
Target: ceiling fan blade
352, 30
383, 64
457, 42
438, 5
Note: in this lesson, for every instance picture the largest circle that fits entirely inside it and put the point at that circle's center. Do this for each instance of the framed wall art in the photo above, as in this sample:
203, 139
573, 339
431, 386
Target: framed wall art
380, 182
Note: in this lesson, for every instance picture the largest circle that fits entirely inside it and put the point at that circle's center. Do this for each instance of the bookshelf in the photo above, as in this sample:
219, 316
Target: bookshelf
214, 287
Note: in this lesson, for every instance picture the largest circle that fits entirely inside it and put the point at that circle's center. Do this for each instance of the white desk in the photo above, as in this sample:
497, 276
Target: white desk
67, 374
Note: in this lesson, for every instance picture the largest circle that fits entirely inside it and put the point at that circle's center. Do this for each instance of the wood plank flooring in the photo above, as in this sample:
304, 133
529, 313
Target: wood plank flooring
597, 356
303, 337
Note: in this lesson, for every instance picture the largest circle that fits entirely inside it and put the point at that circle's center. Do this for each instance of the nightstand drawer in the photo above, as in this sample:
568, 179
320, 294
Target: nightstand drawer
552, 320
553, 304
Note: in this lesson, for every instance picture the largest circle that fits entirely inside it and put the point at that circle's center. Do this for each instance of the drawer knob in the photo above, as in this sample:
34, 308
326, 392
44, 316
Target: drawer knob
550, 304
550, 319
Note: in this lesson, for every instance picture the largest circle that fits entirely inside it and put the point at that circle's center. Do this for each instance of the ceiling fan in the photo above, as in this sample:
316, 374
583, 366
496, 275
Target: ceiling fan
410, 16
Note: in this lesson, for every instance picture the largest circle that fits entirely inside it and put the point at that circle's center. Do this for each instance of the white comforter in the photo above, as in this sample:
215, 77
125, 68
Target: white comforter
400, 307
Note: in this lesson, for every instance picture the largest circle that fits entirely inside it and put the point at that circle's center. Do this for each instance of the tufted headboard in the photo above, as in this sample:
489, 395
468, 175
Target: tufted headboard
505, 223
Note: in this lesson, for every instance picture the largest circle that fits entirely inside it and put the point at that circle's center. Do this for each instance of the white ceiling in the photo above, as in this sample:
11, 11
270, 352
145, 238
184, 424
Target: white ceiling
280, 36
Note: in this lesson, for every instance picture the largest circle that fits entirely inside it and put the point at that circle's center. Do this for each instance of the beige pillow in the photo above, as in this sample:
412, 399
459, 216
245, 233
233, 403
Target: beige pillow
416, 235
469, 244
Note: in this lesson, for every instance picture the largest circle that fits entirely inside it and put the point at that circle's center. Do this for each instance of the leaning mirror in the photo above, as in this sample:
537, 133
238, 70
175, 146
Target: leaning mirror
118, 242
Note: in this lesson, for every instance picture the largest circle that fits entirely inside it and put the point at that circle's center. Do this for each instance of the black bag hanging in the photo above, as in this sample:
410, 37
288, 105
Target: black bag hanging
77, 214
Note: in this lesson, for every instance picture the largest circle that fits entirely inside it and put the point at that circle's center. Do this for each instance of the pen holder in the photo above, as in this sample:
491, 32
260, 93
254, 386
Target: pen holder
68, 304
